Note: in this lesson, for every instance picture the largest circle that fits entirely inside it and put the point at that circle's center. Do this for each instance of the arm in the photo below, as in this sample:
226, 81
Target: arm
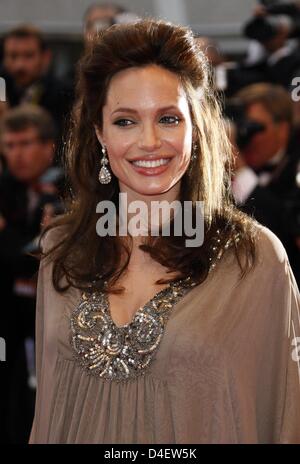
278, 375
39, 330
46, 348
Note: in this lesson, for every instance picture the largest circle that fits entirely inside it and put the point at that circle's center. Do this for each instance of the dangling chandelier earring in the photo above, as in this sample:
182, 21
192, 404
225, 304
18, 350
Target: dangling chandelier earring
104, 174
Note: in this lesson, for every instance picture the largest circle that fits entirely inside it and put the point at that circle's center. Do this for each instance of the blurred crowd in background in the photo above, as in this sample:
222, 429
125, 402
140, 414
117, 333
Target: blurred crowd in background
261, 94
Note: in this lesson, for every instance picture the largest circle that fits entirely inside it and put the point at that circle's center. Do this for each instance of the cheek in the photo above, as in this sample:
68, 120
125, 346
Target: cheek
183, 147
117, 152
260, 140
270, 139
32, 62
181, 142
34, 158
187, 148
118, 143
10, 160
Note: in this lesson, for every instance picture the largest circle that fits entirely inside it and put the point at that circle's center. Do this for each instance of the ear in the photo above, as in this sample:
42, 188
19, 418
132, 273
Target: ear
99, 135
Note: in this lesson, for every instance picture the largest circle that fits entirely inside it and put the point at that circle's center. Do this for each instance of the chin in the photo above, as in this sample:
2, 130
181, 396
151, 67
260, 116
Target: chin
21, 177
152, 191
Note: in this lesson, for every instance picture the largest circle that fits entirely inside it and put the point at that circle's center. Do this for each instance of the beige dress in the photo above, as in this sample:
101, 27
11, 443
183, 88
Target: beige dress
226, 370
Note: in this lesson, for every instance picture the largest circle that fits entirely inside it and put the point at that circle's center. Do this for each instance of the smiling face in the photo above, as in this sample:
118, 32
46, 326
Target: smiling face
147, 131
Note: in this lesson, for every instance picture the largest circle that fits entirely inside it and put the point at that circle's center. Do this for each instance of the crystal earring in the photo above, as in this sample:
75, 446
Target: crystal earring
194, 151
104, 174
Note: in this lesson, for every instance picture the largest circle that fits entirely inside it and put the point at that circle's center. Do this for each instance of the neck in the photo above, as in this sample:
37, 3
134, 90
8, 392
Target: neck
146, 216
151, 211
170, 195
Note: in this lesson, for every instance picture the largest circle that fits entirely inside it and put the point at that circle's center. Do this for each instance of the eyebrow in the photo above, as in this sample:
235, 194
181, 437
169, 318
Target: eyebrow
131, 110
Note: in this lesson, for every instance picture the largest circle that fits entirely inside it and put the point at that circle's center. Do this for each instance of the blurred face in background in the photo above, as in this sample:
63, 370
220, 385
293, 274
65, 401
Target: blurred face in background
278, 40
97, 19
26, 155
211, 50
24, 60
265, 144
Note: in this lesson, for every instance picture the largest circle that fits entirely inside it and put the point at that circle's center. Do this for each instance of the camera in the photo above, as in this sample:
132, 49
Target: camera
266, 27
120, 18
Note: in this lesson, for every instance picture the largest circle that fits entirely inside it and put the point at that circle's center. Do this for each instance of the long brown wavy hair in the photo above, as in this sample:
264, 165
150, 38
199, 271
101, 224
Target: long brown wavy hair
86, 259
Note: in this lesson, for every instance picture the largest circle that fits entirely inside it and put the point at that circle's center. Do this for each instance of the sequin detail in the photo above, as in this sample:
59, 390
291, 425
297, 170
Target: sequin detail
121, 353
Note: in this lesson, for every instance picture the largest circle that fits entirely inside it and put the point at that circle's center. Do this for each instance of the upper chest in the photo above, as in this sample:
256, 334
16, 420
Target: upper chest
139, 288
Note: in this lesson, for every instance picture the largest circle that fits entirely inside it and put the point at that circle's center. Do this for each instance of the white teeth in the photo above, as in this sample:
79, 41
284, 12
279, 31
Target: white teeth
150, 164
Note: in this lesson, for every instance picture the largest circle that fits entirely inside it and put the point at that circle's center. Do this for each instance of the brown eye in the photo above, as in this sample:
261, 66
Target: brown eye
123, 122
170, 120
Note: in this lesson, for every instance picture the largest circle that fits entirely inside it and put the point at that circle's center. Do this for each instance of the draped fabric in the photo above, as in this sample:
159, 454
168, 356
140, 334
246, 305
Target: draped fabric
227, 369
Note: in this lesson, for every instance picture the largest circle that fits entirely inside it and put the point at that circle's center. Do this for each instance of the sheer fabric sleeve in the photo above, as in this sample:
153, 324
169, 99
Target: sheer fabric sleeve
278, 380
46, 348
289, 430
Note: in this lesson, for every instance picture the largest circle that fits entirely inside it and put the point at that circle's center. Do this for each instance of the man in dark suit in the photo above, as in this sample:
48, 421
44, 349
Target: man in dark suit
26, 70
272, 55
266, 179
27, 191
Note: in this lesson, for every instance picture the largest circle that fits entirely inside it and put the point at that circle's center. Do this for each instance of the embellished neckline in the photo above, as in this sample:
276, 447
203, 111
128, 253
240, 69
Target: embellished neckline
121, 353
110, 352
160, 294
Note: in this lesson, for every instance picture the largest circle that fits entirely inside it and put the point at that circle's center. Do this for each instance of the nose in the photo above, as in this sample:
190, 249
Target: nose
19, 62
149, 138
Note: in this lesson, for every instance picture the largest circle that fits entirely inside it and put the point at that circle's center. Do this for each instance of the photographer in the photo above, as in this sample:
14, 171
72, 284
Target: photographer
273, 52
28, 198
100, 16
265, 182
27, 72
272, 27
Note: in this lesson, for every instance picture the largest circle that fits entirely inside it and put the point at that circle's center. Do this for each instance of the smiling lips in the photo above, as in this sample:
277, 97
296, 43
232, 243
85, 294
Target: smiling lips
151, 163
151, 167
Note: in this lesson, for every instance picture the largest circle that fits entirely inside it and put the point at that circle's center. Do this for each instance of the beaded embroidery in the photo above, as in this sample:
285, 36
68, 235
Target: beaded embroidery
122, 353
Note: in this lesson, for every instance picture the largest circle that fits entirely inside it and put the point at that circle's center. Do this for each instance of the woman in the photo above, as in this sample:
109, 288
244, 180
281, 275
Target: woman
141, 338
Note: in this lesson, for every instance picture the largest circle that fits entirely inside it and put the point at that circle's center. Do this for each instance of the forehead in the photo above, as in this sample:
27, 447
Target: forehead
258, 109
29, 131
145, 87
19, 43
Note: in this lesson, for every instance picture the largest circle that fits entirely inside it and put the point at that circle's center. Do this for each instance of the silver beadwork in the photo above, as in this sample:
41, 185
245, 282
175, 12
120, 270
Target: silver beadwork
104, 174
121, 353
218, 251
